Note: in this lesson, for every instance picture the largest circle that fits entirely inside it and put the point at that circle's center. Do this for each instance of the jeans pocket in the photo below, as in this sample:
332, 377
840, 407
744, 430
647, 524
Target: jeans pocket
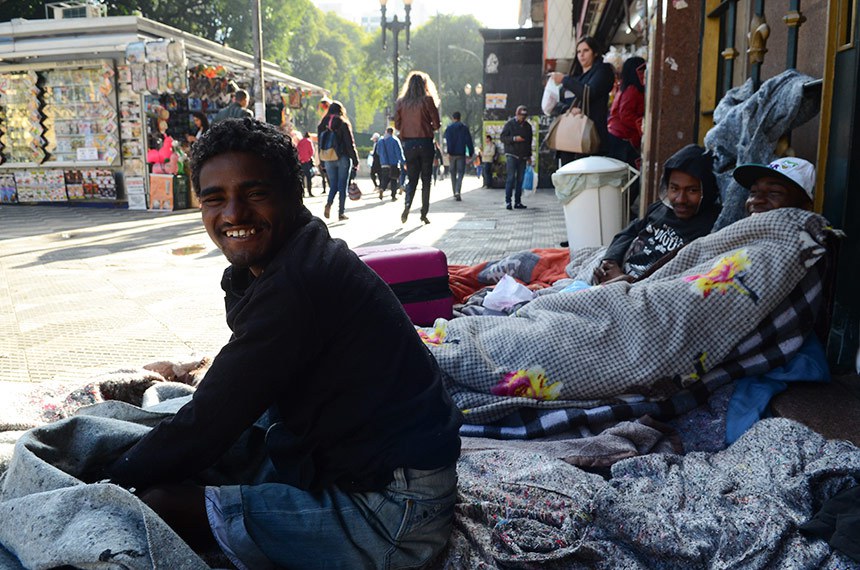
424, 532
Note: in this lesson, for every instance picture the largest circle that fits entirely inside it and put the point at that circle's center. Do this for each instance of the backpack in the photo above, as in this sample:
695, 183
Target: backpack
328, 143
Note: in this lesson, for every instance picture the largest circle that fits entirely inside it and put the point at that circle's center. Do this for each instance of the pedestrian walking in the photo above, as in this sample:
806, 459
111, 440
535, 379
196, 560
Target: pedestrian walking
375, 166
416, 117
391, 160
517, 137
305, 148
337, 150
459, 142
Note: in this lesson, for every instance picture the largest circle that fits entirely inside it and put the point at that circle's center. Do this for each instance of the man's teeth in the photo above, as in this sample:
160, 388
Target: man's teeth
240, 233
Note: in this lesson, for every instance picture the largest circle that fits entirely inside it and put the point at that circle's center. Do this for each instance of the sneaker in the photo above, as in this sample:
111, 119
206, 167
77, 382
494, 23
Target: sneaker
393, 198
327, 210
403, 216
507, 206
457, 197
425, 220
342, 217
520, 206
381, 192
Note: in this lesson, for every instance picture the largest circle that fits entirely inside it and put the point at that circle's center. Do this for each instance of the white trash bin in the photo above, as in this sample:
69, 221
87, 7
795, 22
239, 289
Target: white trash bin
591, 190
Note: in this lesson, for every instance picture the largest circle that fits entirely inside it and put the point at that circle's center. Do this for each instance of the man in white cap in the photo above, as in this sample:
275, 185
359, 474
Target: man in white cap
784, 183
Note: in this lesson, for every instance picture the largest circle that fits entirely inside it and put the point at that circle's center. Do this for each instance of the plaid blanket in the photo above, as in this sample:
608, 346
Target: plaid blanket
733, 303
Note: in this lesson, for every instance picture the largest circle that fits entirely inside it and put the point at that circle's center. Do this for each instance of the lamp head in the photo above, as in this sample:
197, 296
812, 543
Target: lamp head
467, 89
479, 89
383, 2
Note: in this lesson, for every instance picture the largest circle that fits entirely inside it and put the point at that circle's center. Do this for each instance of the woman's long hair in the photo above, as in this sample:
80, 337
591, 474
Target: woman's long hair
595, 47
336, 109
417, 86
630, 74
204, 120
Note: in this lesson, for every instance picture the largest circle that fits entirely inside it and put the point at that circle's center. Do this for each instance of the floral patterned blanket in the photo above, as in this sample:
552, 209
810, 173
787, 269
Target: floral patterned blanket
619, 342
738, 508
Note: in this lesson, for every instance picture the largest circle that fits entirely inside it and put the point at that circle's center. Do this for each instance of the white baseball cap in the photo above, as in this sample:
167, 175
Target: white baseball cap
797, 172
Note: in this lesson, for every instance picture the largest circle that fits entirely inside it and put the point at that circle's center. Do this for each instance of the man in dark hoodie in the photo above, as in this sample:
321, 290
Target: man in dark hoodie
687, 211
355, 446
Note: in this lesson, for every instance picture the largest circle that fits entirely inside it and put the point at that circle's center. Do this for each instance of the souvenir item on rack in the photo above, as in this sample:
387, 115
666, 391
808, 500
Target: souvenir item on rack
138, 77
22, 136
80, 115
8, 189
156, 51
151, 77
40, 185
135, 53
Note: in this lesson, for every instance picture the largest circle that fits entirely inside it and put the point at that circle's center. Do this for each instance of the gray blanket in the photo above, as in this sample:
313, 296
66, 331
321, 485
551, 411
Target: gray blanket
747, 126
651, 339
739, 508
51, 518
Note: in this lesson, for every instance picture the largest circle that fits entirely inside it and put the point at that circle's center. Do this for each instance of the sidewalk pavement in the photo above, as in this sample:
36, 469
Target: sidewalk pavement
86, 289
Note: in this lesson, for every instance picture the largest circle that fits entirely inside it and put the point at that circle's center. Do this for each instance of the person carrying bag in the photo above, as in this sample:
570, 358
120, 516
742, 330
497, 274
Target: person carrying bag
573, 131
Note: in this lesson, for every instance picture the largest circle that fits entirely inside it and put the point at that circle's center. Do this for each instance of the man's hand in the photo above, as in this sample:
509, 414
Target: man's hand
518, 138
557, 77
608, 270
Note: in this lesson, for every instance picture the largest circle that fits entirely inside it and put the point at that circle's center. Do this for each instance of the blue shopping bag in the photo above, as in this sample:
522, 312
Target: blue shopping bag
529, 178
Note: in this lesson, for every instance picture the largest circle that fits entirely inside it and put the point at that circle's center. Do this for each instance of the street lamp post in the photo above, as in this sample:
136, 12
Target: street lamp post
395, 26
479, 90
468, 51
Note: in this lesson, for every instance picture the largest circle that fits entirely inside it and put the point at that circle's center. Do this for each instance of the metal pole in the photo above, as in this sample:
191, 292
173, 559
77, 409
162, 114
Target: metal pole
395, 31
259, 85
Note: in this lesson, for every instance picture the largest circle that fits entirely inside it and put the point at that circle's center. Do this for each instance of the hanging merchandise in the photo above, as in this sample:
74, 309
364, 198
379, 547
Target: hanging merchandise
21, 128
296, 98
80, 115
8, 189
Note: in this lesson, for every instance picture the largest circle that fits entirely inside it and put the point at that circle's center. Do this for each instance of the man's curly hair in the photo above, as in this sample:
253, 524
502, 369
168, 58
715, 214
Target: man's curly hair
252, 136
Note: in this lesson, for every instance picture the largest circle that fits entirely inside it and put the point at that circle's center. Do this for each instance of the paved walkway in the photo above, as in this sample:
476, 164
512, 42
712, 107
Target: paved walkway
97, 288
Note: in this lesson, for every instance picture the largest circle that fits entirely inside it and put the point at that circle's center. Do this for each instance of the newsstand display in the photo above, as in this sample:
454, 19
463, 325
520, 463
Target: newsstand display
60, 117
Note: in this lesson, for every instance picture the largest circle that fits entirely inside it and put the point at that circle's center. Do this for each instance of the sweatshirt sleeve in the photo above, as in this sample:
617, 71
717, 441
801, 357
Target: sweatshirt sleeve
622, 240
505, 136
599, 84
243, 382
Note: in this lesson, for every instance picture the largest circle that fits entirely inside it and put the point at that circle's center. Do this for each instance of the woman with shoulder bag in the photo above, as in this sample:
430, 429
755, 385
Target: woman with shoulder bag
336, 123
592, 76
416, 116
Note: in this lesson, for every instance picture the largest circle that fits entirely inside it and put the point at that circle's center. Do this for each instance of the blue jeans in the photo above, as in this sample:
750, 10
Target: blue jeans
488, 174
338, 179
404, 525
516, 168
458, 171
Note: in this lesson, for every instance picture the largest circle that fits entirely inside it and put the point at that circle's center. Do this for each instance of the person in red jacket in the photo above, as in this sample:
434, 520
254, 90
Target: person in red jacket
305, 148
625, 117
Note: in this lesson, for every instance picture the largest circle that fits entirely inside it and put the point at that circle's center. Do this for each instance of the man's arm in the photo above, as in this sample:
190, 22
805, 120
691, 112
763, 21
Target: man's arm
245, 379
506, 137
470, 144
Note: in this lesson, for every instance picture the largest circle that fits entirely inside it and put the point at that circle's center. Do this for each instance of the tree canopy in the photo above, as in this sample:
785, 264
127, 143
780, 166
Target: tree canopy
322, 48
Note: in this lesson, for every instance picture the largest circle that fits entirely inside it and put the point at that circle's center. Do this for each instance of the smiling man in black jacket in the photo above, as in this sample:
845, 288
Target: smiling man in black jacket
688, 209
357, 443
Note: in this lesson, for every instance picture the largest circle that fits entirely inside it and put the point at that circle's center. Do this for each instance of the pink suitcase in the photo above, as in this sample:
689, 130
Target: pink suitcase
418, 275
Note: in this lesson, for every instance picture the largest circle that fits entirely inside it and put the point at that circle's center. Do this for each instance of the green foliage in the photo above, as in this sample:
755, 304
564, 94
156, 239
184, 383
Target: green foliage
322, 48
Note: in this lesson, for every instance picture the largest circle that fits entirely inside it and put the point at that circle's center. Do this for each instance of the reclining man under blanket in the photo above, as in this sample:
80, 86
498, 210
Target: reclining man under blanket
631, 348
688, 211
346, 452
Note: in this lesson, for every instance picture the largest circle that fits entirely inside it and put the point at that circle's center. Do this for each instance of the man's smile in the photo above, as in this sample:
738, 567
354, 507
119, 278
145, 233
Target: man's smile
240, 233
